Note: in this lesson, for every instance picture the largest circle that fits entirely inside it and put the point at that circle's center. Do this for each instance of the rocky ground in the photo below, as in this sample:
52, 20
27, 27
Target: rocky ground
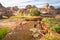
22, 33
19, 30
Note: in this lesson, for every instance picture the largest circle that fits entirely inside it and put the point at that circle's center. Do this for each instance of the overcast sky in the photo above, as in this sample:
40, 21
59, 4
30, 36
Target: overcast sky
23, 3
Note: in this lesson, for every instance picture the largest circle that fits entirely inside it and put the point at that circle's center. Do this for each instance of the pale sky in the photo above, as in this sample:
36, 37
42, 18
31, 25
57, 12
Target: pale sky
23, 3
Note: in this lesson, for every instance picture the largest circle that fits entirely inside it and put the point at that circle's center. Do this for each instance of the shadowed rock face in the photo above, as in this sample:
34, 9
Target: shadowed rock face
34, 6
12, 11
7, 11
4, 11
28, 7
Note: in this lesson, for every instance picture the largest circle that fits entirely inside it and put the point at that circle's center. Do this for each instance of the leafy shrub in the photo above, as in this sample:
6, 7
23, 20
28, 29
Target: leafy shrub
57, 28
21, 14
54, 23
3, 32
34, 12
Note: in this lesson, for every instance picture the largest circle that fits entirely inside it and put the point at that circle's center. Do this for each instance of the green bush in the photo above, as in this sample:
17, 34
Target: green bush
57, 28
21, 14
54, 26
34, 12
3, 32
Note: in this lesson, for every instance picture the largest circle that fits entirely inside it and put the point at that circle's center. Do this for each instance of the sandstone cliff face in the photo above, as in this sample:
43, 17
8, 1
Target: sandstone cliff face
28, 7
4, 11
14, 11
47, 6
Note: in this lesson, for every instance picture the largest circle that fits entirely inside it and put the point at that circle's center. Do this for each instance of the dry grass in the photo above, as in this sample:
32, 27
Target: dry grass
51, 36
